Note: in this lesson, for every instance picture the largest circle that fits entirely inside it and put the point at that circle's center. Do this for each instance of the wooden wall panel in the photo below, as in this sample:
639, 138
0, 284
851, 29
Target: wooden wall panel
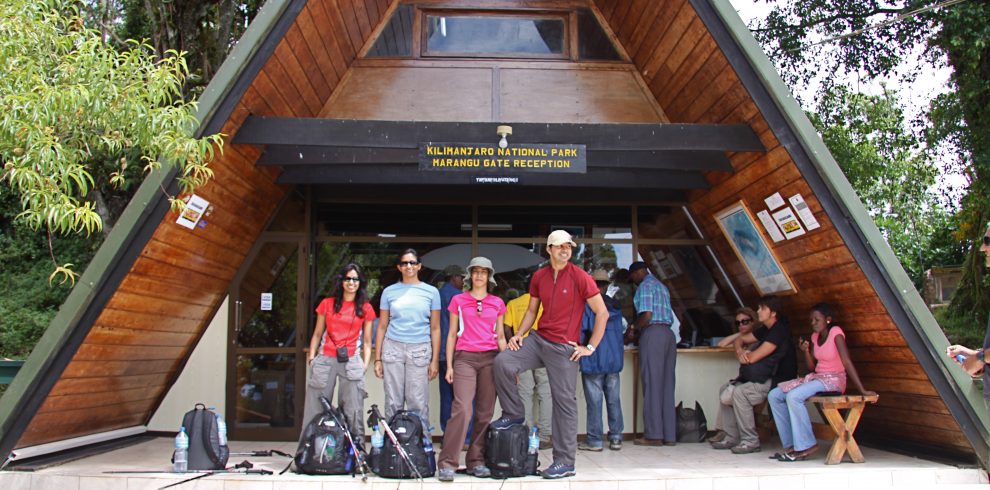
694, 82
134, 349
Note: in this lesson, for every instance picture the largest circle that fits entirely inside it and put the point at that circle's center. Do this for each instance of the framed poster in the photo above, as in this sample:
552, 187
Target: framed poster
756, 256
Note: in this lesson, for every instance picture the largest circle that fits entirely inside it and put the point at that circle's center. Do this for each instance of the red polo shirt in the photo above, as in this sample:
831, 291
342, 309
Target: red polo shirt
563, 301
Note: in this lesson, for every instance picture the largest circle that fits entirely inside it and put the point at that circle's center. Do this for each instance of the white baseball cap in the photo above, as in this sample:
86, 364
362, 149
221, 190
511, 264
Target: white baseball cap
560, 237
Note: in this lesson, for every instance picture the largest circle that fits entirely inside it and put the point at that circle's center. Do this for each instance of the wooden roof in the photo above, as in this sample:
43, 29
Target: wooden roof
127, 329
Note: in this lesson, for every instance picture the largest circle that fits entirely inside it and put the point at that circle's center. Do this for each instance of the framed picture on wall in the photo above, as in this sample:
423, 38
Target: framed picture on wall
753, 251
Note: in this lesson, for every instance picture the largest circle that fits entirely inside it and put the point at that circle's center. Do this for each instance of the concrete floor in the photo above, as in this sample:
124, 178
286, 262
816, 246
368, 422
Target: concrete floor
685, 466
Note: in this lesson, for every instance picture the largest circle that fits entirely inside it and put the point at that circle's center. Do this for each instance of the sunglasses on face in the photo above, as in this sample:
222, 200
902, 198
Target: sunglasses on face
410, 263
350, 279
745, 321
986, 240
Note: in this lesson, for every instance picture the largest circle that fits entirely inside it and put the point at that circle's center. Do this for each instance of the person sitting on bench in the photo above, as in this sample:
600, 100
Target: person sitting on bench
827, 357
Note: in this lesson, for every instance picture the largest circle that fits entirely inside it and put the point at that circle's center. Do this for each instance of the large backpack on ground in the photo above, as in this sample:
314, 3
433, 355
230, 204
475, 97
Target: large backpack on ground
506, 452
408, 429
205, 450
323, 447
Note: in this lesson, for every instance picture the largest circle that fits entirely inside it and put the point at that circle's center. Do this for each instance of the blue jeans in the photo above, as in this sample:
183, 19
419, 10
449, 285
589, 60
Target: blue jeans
596, 385
791, 416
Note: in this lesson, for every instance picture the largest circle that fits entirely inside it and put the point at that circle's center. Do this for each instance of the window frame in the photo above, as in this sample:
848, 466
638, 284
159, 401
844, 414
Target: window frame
563, 16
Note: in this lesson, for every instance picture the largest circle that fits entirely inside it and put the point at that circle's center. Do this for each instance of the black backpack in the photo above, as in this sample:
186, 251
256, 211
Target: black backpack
205, 450
408, 429
507, 452
324, 448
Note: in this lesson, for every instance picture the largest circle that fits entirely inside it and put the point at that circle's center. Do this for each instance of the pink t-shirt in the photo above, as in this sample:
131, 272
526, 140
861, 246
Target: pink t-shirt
828, 357
479, 334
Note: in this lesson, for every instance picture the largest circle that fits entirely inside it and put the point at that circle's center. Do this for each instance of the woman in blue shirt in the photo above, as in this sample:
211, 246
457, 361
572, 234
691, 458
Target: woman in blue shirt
408, 340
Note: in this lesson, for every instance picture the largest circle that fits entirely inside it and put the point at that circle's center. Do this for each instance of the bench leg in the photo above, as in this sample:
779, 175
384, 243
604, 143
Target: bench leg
844, 430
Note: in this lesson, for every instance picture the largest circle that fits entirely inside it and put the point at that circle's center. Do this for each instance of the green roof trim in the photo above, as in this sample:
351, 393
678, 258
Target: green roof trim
144, 212
908, 296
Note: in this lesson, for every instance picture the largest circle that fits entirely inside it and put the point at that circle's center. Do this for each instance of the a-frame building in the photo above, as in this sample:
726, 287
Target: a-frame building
329, 106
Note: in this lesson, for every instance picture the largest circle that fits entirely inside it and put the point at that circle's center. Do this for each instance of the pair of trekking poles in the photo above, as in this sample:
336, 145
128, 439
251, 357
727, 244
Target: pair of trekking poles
375, 418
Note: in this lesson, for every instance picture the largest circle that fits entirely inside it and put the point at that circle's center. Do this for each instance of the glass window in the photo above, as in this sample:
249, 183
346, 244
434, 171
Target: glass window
539, 220
273, 273
495, 36
266, 390
593, 43
395, 40
665, 222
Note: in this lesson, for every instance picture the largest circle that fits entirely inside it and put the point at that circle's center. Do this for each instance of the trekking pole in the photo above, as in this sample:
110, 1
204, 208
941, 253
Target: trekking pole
266, 452
395, 441
358, 458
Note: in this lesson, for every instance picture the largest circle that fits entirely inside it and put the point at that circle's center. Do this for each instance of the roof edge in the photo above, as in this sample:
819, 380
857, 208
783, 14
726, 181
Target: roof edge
921, 320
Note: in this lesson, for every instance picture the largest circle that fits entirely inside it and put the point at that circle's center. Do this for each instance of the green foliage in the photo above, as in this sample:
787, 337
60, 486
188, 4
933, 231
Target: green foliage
890, 170
72, 107
963, 329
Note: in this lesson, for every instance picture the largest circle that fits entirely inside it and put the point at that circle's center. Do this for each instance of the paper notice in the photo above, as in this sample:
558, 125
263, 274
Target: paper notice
775, 201
804, 212
193, 211
770, 226
788, 223
266, 301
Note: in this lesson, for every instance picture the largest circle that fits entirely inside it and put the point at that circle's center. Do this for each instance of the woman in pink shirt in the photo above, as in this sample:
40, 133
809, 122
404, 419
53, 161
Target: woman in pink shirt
827, 357
476, 336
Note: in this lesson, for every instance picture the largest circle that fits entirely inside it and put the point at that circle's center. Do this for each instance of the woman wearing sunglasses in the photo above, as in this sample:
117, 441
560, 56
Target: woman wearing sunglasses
478, 337
827, 357
343, 321
408, 340
746, 321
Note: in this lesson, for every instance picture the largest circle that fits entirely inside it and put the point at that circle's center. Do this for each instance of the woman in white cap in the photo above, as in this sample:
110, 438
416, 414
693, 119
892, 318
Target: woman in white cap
476, 336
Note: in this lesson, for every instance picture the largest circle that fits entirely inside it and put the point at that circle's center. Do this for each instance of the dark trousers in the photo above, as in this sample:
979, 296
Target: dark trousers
447, 399
537, 352
657, 362
473, 385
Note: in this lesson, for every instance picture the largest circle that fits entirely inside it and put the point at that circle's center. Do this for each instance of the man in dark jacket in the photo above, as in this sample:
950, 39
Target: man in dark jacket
600, 372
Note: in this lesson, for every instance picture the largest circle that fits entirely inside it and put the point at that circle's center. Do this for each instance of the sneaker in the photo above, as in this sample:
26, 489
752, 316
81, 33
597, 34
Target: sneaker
724, 444
445, 474
481, 471
506, 422
558, 470
548, 444
615, 444
584, 446
746, 448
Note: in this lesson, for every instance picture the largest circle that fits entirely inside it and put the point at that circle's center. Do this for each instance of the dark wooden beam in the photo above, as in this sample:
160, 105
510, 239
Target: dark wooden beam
264, 130
283, 155
411, 175
496, 194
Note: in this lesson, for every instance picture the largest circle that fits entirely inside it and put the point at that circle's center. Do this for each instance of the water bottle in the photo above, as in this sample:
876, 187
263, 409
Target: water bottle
377, 440
181, 458
428, 440
221, 429
534, 441
961, 358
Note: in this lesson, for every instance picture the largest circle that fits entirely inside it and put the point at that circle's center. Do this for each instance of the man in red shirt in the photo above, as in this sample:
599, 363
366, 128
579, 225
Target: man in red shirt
563, 289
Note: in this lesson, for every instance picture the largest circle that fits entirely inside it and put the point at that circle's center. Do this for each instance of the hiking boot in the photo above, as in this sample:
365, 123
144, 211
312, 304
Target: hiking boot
746, 448
724, 444
558, 470
548, 444
445, 474
481, 471
615, 444
584, 446
718, 437
506, 422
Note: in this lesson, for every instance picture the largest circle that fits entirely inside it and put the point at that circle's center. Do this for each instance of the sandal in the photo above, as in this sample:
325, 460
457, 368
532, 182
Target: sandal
779, 455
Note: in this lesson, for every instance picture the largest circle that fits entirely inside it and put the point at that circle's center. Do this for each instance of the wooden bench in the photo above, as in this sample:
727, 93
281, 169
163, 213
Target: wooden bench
843, 427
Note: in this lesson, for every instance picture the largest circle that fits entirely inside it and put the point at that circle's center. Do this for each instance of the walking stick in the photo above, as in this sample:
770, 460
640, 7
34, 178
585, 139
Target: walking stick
375, 414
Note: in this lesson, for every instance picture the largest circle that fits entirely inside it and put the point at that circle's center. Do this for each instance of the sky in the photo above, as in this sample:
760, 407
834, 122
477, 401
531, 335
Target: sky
914, 94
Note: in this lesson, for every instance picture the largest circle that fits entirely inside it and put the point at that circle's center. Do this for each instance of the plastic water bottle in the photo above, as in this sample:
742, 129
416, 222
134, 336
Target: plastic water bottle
221, 429
961, 358
377, 440
181, 457
428, 440
534, 441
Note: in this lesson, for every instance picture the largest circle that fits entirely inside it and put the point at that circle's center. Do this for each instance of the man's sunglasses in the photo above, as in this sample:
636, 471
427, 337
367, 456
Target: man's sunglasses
409, 262
744, 322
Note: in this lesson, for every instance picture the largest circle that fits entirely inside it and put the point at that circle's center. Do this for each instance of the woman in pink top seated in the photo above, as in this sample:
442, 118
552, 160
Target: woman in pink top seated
827, 357
476, 336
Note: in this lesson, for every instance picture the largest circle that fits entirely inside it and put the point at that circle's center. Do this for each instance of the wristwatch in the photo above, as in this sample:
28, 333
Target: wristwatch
981, 355
590, 347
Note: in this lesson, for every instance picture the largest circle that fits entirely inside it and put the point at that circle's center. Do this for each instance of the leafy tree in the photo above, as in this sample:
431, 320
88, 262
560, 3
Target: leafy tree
870, 38
76, 114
